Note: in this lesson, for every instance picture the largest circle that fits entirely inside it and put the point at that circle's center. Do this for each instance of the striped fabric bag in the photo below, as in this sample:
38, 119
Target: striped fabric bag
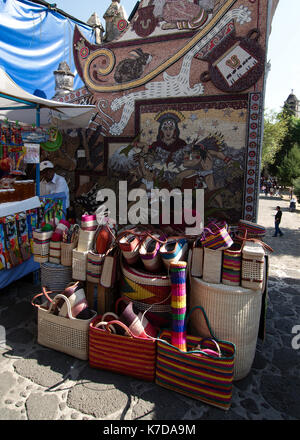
231, 266
216, 237
201, 372
124, 354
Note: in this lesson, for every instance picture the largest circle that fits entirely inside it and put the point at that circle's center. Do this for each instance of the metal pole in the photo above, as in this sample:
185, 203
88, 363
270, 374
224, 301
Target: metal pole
37, 168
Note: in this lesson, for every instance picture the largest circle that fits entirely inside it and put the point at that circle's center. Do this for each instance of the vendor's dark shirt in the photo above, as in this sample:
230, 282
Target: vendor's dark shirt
278, 217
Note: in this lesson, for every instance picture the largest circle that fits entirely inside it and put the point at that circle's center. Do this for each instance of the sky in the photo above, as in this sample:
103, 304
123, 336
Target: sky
283, 50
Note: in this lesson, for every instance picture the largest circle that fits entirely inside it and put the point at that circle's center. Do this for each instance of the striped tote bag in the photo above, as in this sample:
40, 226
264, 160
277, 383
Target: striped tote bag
231, 266
121, 353
202, 372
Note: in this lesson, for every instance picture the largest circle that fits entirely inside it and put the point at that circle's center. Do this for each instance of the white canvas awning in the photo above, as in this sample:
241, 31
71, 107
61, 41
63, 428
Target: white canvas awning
18, 105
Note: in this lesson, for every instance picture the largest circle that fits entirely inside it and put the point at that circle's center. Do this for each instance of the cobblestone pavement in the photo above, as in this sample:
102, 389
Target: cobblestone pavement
37, 383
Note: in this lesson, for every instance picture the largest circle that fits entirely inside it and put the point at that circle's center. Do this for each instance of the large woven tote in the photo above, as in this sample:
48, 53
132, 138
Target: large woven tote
234, 314
196, 373
125, 354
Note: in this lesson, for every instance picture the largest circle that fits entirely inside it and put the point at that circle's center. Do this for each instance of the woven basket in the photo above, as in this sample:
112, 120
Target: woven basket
231, 266
85, 241
67, 253
234, 315
55, 276
253, 259
145, 290
55, 252
70, 336
79, 265
41, 244
212, 265
94, 266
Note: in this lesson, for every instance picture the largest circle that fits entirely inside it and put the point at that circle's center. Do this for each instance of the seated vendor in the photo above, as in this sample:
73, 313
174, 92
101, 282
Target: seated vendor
52, 183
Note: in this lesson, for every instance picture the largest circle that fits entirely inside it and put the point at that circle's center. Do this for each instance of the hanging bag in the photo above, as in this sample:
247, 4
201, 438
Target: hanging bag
231, 266
216, 236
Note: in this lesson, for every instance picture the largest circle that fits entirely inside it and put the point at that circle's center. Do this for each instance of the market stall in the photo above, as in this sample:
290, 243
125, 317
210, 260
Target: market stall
26, 121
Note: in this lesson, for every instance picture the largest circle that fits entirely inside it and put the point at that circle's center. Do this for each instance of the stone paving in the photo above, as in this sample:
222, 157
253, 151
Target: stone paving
37, 383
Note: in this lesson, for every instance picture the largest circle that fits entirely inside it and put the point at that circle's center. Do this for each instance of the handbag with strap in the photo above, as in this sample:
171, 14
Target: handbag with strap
125, 354
201, 372
216, 236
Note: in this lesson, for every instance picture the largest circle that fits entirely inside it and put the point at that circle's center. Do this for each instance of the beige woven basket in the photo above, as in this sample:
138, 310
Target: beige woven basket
67, 253
234, 315
41, 244
79, 265
253, 260
212, 265
68, 335
197, 262
85, 241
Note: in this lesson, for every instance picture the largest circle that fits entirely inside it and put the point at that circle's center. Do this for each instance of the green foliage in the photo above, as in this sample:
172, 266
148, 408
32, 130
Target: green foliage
296, 184
275, 130
289, 170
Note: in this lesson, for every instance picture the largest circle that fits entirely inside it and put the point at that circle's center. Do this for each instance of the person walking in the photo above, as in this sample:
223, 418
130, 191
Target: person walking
277, 222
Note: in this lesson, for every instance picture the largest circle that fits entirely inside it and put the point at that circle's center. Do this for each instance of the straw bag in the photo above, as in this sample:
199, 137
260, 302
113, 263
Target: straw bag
68, 335
145, 290
85, 240
231, 267
125, 354
216, 236
55, 276
212, 265
197, 259
234, 315
201, 372
253, 230
55, 252
79, 264
253, 260
41, 244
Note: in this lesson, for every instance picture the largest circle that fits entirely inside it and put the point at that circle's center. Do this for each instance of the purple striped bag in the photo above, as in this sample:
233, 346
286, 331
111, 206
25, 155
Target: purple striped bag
231, 266
216, 237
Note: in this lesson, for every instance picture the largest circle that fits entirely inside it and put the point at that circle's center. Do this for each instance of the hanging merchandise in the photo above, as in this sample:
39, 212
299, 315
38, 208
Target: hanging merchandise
34, 135
54, 142
23, 237
178, 304
2, 248
11, 242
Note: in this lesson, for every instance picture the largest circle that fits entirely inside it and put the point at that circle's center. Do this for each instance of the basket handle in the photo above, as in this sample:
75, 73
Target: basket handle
99, 324
121, 324
41, 294
212, 340
60, 295
205, 317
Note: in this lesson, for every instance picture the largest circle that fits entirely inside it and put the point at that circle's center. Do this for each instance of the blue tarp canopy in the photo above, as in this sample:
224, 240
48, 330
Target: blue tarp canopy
34, 39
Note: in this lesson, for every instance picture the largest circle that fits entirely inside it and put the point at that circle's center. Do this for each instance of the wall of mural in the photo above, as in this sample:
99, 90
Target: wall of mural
179, 97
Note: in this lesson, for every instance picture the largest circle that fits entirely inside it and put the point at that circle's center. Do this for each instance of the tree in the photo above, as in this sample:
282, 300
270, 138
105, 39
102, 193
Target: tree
275, 130
289, 170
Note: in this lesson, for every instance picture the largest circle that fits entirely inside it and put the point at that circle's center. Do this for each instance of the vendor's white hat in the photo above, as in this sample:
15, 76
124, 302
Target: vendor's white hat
46, 164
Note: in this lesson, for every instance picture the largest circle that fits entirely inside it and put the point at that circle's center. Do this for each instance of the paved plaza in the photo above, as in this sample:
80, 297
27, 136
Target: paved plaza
37, 383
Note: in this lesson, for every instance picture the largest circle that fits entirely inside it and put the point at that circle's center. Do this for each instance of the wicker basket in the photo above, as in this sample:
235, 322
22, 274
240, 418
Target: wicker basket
55, 276
234, 314
41, 245
68, 335
212, 265
67, 253
79, 265
253, 259
55, 252
85, 241
147, 290
94, 266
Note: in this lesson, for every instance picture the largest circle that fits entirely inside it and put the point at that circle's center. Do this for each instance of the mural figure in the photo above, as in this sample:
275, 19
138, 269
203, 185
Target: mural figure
130, 69
182, 14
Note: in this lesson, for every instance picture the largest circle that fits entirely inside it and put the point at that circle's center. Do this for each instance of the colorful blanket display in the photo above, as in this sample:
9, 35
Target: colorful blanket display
143, 310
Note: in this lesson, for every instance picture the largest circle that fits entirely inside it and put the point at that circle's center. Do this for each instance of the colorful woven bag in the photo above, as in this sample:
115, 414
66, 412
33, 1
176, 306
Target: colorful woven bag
216, 237
231, 266
125, 354
198, 372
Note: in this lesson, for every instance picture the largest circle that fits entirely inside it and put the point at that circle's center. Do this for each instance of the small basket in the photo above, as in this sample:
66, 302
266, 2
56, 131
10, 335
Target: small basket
55, 252
41, 245
79, 264
253, 260
86, 239
94, 266
67, 253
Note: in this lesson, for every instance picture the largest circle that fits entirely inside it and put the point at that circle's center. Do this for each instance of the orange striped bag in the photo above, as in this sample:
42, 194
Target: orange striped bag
121, 353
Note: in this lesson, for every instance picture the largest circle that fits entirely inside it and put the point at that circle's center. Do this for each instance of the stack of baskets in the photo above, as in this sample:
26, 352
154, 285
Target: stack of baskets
41, 245
55, 277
